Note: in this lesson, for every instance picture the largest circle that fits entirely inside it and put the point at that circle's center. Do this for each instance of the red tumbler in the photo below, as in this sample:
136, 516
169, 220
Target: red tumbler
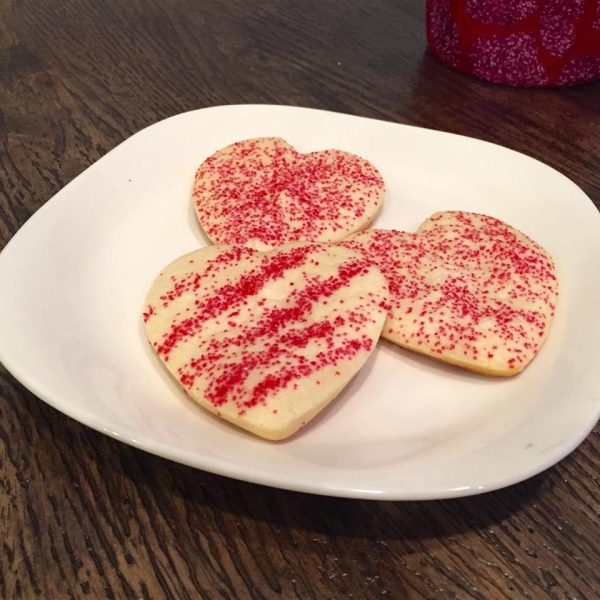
531, 43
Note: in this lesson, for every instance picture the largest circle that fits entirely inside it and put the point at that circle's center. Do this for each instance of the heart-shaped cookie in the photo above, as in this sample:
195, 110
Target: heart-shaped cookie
262, 193
466, 289
266, 340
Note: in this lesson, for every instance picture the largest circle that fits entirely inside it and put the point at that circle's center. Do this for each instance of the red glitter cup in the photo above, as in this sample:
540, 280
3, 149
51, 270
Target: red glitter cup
530, 43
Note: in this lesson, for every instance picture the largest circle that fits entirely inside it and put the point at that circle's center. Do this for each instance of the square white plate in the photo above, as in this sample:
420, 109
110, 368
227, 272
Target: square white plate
74, 278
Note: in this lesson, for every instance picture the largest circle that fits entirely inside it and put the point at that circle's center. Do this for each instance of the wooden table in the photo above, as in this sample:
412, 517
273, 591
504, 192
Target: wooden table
83, 515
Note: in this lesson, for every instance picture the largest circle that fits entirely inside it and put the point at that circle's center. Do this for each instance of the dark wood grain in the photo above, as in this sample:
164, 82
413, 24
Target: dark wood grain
83, 516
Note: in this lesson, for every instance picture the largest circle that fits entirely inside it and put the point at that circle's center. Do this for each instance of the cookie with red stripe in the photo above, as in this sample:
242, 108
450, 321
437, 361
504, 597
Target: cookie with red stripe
266, 340
466, 289
263, 193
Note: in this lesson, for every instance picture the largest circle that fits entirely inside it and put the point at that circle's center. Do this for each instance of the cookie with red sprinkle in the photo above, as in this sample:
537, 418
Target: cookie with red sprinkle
266, 340
466, 289
262, 193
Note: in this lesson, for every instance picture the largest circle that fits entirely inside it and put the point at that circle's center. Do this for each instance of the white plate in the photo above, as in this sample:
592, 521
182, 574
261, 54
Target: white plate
74, 278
